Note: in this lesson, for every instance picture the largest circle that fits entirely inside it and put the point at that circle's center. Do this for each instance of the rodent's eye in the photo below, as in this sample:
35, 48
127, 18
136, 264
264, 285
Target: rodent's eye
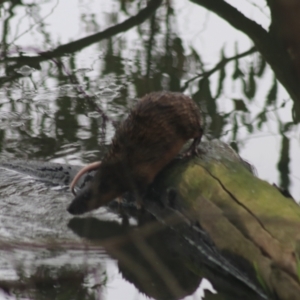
105, 186
102, 188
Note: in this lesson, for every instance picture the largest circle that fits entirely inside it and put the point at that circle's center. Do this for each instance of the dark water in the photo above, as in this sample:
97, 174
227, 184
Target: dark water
51, 93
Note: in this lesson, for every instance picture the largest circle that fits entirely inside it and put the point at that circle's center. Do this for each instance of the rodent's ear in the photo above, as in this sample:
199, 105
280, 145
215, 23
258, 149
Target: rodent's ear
79, 205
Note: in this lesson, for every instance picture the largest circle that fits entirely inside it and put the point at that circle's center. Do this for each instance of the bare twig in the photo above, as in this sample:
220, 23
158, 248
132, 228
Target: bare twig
78, 45
218, 66
75, 46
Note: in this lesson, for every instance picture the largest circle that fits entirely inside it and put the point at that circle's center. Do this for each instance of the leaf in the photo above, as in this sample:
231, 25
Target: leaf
283, 104
262, 119
287, 127
222, 76
239, 105
261, 66
250, 86
203, 95
283, 163
235, 128
234, 146
248, 125
237, 72
221, 80
195, 55
272, 95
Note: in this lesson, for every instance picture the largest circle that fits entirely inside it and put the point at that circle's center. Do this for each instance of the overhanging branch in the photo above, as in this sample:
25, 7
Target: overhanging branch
218, 66
271, 48
78, 45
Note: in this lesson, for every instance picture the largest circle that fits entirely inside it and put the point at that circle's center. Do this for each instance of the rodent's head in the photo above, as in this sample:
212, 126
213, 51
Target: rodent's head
81, 203
99, 192
86, 200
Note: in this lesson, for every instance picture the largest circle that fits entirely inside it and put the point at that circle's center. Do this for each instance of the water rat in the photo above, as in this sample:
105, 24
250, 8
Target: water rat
149, 139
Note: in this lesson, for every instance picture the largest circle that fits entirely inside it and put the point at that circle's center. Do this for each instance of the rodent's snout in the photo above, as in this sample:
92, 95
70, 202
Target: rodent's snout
79, 205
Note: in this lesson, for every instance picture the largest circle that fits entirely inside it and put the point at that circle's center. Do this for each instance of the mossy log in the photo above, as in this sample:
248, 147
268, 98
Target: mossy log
243, 215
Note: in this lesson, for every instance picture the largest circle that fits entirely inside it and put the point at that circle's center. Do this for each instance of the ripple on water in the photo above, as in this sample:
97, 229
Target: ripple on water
34, 231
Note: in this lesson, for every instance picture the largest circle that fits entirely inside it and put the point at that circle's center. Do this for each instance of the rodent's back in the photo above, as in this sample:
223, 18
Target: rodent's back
177, 112
156, 121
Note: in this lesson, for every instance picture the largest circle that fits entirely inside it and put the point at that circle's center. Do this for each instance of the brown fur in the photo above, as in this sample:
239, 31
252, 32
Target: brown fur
152, 135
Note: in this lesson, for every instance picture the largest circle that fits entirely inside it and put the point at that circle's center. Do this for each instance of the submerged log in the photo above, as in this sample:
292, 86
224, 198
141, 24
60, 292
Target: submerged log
244, 216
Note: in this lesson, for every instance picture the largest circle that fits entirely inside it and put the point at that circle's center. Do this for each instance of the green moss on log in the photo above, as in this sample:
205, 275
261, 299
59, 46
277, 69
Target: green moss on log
243, 214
